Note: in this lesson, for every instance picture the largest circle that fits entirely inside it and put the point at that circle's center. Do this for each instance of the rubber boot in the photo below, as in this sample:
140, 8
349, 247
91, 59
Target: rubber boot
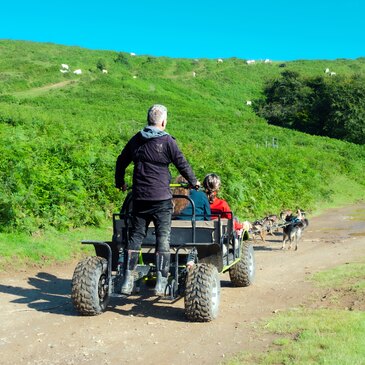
129, 274
128, 282
161, 284
163, 268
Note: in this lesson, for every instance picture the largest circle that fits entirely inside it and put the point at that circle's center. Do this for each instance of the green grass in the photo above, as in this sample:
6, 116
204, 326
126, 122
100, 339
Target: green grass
349, 277
318, 336
344, 191
19, 250
59, 144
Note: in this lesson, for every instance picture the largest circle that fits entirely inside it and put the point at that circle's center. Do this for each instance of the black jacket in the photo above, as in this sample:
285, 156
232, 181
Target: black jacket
152, 151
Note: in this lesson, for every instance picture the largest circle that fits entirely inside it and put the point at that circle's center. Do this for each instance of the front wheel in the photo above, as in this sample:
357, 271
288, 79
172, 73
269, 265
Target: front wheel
243, 272
90, 289
202, 293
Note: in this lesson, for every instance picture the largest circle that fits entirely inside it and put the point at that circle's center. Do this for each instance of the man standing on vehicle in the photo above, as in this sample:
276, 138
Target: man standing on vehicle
151, 150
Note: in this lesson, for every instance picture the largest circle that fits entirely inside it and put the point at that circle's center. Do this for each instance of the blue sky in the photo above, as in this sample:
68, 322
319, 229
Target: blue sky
255, 29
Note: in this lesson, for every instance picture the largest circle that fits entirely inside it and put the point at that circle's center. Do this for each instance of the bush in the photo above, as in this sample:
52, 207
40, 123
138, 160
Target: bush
333, 108
101, 65
122, 59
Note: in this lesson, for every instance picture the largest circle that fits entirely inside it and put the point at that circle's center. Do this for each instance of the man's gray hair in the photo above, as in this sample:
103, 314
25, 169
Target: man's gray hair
156, 114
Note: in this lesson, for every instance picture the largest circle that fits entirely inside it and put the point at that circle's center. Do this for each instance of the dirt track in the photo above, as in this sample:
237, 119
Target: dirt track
40, 326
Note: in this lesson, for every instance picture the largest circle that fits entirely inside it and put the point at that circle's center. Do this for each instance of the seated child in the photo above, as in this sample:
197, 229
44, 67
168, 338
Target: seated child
183, 209
218, 207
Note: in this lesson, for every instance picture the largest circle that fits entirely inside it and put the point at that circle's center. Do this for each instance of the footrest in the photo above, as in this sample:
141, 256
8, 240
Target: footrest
142, 271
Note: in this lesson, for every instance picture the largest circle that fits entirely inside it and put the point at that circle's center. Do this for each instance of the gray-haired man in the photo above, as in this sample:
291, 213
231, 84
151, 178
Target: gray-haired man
151, 150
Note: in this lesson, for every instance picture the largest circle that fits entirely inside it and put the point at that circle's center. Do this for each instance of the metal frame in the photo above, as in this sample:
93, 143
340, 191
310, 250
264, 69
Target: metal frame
110, 250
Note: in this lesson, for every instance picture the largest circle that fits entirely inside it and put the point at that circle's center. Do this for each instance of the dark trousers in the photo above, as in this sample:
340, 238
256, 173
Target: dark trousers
159, 212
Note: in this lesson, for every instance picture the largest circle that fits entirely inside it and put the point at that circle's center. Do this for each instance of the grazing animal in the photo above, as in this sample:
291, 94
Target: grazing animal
78, 72
219, 60
293, 231
65, 66
250, 62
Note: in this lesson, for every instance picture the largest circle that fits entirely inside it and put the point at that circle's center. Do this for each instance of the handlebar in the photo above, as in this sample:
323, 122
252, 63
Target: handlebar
180, 185
185, 186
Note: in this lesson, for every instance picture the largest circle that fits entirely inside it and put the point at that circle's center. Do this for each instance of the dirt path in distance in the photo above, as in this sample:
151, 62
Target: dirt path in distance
43, 89
39, 325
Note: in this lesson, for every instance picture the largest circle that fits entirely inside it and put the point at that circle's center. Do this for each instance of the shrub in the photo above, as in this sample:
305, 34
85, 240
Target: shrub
334, 108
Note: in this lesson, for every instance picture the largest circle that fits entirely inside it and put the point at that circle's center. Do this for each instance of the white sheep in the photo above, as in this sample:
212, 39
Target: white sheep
332, 73
248, 102
78, 72
134, 76
132, 54
63, 70
327, 71
267, 61
250, 62
194, 74
104, 71
219, 60
64, 66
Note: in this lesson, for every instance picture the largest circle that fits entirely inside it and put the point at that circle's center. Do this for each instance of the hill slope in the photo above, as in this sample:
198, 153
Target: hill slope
61, 133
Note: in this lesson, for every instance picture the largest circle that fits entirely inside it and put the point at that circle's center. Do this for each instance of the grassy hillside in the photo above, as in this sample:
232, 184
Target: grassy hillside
61, 133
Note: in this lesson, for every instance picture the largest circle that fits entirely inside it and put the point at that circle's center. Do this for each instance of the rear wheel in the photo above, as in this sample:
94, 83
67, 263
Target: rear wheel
202, 293
243, 272
90, 287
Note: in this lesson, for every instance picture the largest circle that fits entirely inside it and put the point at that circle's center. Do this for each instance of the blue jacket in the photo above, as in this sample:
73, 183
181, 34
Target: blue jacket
202, 207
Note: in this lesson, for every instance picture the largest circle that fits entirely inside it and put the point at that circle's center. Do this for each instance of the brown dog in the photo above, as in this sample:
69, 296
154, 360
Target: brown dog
269, 222
258, 229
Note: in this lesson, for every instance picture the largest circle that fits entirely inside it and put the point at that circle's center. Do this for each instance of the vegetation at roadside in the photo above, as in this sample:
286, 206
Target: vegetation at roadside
20, 250
334, 333
325, 106
61, 134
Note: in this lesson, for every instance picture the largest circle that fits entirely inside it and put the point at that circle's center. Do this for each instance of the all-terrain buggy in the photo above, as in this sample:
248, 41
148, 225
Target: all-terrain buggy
208, 247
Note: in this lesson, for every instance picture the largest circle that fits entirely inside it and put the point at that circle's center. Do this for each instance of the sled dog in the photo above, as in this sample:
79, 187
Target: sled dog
293, 231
